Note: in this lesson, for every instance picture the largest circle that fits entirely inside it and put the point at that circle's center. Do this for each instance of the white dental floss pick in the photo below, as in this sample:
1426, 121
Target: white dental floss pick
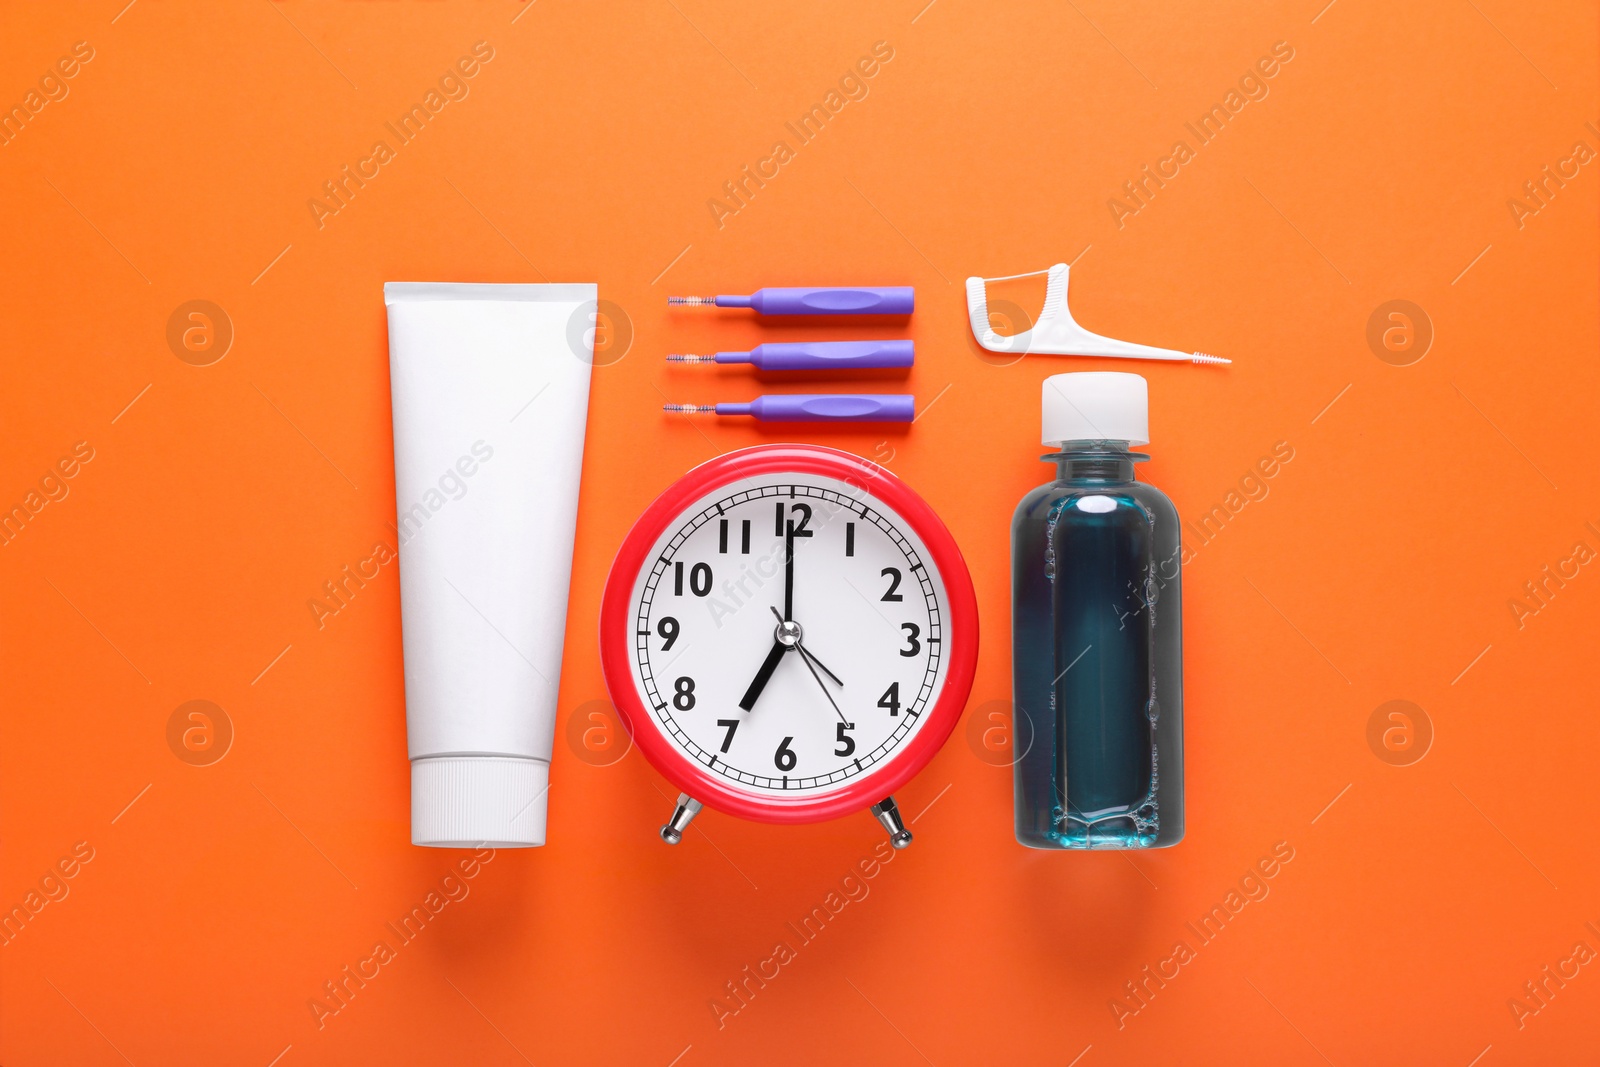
1055, 333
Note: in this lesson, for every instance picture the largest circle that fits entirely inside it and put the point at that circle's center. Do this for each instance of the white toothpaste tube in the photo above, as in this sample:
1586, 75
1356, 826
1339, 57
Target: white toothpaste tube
490, 386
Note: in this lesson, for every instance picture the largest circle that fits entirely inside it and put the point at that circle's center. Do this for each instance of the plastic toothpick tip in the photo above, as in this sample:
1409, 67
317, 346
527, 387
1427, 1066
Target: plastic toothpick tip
1201, 357
692, 301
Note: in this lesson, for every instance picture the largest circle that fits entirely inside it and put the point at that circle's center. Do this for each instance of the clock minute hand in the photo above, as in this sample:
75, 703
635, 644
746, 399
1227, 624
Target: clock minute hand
763, 675
788, 573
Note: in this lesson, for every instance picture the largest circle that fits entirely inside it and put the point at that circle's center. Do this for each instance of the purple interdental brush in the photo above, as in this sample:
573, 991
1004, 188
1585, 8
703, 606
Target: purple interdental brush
813, 407
816, 355
891, 300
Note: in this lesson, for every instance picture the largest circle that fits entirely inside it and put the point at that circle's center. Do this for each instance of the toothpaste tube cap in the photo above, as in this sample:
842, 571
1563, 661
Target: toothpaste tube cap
478, 801
1096, 406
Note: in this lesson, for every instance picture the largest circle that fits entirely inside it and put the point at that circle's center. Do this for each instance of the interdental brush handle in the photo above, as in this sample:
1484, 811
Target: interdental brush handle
892, 300
827, 407
825, 355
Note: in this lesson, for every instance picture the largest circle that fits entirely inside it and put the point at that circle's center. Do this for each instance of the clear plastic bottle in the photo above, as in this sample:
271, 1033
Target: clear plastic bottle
1097, 631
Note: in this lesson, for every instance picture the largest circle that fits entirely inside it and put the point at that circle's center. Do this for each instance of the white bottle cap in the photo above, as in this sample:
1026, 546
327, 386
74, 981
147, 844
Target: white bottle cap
1096, 406
478, 801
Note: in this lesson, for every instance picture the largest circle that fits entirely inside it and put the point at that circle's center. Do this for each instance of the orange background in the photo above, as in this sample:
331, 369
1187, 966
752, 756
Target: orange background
1380, 566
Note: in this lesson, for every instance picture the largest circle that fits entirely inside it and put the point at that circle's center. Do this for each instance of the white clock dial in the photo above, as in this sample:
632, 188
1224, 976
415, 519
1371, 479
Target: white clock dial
831, 697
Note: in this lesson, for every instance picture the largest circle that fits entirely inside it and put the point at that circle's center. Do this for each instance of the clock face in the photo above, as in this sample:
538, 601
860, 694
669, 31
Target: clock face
789, 634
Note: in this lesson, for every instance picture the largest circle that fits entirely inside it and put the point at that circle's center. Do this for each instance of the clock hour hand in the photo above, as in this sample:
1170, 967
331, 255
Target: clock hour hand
763, 675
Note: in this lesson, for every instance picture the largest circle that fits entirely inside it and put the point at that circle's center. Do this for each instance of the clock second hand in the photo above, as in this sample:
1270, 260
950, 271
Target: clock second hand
805, 657
808, 659
813, 657
810, 653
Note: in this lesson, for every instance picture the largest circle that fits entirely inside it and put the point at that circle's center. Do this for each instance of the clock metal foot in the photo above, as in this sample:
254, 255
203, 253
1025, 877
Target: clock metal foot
685, 811
889, 815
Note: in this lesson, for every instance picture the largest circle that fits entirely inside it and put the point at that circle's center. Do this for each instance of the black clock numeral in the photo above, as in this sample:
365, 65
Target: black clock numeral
683, 693
891, 698
730, 725
668, 629
744, 537
849, 538
847, 744
785, 759
913, 646
802, 519
893, 574
699, 579
722, 536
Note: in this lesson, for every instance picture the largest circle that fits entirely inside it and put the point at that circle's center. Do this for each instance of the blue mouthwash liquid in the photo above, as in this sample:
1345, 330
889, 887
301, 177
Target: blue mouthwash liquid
1097, 632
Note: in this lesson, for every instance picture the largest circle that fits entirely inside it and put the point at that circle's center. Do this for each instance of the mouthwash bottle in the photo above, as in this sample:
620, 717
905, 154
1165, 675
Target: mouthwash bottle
1097, 631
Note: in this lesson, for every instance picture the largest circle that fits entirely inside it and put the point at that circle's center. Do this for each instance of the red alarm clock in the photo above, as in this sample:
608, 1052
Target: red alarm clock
789, 633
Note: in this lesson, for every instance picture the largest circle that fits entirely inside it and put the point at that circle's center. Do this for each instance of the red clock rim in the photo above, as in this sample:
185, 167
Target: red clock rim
616, 646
